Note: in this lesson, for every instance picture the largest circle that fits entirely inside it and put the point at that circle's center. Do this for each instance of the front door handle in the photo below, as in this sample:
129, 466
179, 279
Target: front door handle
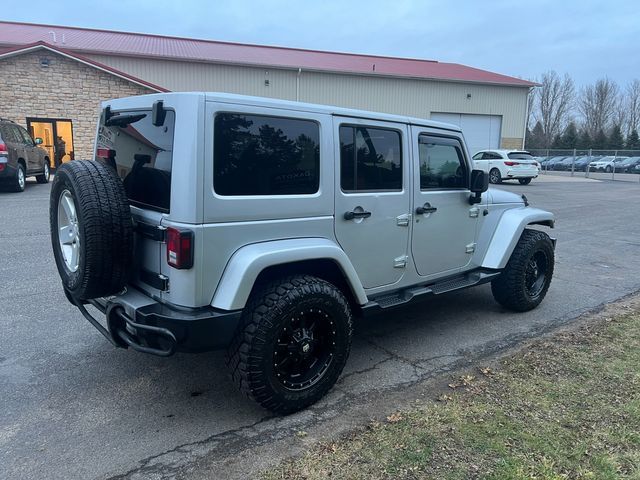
426, 208
356, 214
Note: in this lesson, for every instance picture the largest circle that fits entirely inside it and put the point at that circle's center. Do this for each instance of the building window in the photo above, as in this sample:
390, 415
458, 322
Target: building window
262, 155
370, 159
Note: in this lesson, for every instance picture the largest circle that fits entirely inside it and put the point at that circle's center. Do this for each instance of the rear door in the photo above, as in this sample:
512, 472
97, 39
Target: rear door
14, 143
373, 197
32, 155
142, 155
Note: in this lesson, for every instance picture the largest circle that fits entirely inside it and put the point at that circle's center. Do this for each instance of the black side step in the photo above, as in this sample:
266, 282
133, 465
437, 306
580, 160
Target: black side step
403, 296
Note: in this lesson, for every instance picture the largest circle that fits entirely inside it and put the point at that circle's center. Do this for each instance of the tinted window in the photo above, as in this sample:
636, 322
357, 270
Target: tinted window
142, 154
478, 156
520, 156
441, 163
24, 136
260, 155
370, 159
8, 134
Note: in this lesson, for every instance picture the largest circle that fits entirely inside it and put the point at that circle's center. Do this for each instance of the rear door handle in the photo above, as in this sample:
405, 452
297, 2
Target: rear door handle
427, 208
354, 214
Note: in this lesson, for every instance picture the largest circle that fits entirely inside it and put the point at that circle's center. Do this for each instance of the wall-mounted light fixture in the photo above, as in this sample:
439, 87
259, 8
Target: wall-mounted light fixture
44, 62
468, 96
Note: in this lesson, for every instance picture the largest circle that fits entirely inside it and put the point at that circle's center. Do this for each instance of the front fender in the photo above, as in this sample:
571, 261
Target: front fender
508, 231
249, 261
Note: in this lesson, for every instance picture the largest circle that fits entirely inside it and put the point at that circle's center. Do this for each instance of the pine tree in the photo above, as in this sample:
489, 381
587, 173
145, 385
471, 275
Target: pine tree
615, 140
569, 137
600, 141
633, 141
535, 138
584, 140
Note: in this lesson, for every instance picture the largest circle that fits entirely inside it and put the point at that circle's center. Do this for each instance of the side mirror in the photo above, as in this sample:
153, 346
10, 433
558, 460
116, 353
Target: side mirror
38, 141
158, 113
478, 185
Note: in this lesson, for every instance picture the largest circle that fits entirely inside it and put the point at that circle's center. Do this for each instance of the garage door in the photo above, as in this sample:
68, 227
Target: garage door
480, 131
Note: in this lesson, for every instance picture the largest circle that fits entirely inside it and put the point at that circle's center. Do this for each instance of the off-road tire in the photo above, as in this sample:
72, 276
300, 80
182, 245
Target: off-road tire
510, 289
105, 229
46, 173
18, 183
524, 181
250, 357
495, 176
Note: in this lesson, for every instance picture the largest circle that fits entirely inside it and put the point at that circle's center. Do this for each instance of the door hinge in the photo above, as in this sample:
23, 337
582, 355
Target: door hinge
474, 212
471, 248
403, 220
400, 262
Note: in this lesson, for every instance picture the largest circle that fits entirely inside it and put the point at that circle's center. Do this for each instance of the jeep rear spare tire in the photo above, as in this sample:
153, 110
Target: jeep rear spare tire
292, 344
91, 229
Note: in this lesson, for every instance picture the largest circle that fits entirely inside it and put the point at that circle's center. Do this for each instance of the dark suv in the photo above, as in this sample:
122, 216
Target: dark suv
20, 156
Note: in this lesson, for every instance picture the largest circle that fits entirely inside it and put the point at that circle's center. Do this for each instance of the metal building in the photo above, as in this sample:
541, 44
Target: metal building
52, 79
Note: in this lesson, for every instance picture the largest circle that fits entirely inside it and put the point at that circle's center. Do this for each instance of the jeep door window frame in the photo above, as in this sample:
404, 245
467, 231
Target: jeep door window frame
445, 141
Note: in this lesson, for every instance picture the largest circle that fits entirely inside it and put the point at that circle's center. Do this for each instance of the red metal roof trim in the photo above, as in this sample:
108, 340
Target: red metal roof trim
185, 49
44, 45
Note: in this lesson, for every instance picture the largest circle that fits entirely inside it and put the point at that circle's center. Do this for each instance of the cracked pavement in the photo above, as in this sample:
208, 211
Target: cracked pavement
74, 407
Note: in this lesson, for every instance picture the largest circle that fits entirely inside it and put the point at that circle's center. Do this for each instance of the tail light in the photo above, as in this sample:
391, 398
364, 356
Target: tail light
511, 164
3, 149
179, 248
104, 153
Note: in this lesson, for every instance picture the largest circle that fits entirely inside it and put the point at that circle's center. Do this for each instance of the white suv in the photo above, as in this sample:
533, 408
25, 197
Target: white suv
263, 226
507, 165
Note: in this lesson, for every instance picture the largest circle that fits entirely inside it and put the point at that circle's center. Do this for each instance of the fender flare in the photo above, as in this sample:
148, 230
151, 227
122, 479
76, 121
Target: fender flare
248, 262
508, 232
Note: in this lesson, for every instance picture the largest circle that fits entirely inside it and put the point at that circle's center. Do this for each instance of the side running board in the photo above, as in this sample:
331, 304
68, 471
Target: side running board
401, 297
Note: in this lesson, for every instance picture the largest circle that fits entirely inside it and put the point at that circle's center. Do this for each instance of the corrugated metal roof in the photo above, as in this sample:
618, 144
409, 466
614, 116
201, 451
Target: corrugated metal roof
86, 40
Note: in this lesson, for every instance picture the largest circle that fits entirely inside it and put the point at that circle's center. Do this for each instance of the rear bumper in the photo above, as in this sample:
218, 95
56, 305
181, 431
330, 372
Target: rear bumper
522, 173
135, 320
7, 171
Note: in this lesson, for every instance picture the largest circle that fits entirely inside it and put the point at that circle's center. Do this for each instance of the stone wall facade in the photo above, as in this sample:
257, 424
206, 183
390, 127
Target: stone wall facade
66, 89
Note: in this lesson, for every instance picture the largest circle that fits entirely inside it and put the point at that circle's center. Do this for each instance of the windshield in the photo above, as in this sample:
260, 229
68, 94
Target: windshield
520, 156
142, 155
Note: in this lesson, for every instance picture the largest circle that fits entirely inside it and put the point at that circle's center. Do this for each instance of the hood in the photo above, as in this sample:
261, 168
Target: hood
502, 196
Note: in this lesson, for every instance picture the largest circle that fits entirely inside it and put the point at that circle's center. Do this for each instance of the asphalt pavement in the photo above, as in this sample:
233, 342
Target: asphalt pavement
74, 407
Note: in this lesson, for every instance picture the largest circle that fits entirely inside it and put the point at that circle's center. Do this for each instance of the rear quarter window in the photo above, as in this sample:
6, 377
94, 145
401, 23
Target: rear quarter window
265, 155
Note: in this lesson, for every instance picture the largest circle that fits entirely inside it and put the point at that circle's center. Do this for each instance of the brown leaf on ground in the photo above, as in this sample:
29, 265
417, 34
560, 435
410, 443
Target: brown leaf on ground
394, 417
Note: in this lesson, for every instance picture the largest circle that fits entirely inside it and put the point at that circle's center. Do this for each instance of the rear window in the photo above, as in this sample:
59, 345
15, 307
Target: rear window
142, 154
520, 156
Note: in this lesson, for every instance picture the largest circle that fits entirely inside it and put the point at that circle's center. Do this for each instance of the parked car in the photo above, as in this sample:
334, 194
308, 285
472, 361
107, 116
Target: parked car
551, 162
566, 163
264, 226
605, 164
21, 157
507, 165
582, 163
627, 165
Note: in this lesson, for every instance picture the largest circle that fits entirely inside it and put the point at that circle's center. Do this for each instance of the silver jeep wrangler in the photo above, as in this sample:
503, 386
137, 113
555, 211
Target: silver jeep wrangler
262, 226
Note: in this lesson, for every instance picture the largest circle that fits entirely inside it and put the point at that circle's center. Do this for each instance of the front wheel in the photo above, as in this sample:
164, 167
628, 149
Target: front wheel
44, 177
494, 176
292, 344
524, 181
525, 280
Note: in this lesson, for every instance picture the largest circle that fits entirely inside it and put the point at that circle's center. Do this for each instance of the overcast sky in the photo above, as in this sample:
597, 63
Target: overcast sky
587, 39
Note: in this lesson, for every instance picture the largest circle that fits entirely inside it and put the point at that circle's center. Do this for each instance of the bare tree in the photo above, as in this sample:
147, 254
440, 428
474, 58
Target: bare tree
552, 104
598, 104
631, 107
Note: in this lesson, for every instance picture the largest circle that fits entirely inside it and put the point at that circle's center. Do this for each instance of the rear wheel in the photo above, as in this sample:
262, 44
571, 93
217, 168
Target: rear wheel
293, 343
20, 179
525, 280
608, 169
494, 176
44, 177
524, 181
